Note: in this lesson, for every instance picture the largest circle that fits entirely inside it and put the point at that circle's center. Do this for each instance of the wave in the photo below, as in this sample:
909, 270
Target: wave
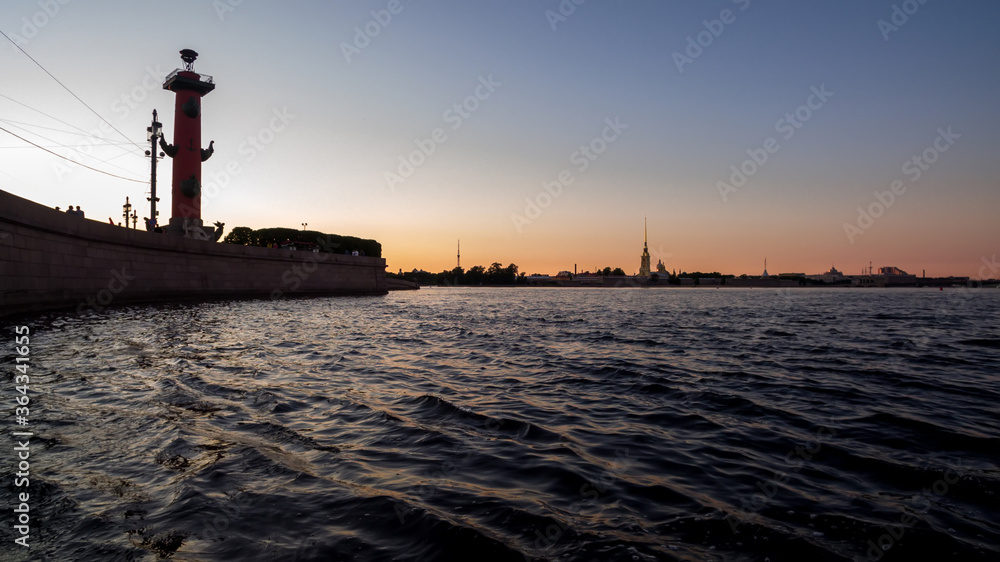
519, 425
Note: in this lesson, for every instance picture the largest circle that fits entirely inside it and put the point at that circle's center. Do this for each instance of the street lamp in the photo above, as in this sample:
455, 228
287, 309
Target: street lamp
304, 225
153, 134
154, 130
127, 208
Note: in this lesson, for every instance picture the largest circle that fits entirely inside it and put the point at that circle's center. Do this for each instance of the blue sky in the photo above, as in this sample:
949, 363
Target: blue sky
349, 120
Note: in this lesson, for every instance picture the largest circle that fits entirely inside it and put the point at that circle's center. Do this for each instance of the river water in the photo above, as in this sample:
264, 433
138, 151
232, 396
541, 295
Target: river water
518, 424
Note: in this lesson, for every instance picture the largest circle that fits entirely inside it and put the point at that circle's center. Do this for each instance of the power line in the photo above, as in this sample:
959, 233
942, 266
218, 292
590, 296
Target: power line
11, 177
81, 133
54, 118
70, 147
45, 114
70, 91
104, 161
67, 159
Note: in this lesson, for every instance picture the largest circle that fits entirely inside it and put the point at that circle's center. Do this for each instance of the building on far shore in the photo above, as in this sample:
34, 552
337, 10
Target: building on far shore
888, 276
644, 258
832, 277
891, 270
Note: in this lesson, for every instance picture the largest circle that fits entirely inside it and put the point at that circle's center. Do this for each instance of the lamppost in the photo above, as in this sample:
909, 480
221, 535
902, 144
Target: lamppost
153, 134
127, 207
304, 225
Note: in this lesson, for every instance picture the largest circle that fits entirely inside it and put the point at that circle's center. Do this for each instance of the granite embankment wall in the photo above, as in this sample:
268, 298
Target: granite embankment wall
53, 260
401, 284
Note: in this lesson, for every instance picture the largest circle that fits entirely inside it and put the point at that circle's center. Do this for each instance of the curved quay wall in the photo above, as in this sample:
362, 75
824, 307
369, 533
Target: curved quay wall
52, 260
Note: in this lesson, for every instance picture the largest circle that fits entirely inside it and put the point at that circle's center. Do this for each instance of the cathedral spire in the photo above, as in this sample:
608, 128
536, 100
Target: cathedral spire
644, 258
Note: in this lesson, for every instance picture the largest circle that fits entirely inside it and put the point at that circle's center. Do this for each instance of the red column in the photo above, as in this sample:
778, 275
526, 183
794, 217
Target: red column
186, 186
186, 151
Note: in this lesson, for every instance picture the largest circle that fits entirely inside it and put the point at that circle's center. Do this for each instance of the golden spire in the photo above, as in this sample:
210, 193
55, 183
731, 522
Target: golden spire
644, 258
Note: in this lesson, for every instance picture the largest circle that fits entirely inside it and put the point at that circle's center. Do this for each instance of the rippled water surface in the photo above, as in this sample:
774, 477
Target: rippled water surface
520, 424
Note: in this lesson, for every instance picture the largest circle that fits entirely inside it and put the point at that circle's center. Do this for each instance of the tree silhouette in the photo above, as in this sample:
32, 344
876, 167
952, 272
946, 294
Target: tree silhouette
241, 235
494, 274
476, 275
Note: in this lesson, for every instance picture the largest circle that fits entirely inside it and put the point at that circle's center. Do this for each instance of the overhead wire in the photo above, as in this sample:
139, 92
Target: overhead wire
70, 91
54, 118
128, 140
77, 150
81, 133
65, 146
67, 159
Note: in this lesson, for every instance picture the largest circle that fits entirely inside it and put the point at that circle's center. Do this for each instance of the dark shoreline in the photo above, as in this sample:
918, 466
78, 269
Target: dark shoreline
52, 260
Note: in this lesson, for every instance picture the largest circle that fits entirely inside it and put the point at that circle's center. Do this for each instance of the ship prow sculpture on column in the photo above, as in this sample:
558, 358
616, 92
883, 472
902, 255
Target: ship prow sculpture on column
186, 151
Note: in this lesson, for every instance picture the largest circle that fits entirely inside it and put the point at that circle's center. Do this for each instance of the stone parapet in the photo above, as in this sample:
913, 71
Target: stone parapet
53, 260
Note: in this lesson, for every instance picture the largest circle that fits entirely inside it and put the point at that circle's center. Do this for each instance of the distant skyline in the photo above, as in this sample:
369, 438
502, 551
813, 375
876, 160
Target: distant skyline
541, 133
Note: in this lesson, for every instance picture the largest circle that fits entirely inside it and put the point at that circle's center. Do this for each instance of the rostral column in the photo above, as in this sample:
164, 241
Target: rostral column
186, 152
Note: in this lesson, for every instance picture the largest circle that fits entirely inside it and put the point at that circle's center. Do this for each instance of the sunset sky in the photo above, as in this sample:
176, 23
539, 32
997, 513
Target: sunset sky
421, 123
